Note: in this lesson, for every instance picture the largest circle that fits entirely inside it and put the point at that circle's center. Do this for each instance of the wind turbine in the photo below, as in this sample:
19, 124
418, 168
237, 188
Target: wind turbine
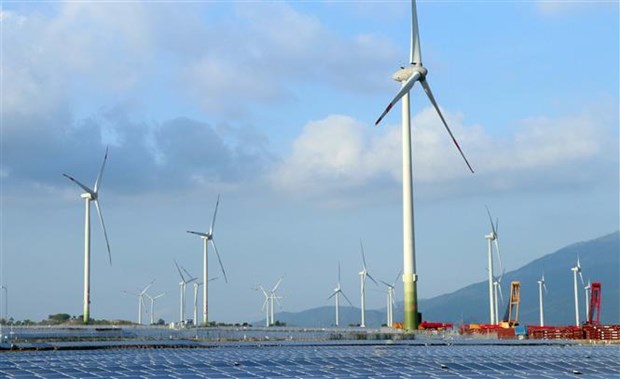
408, 76
206, 238
183, 284
541, 286
140, 296
88, 196
363, 274
390, 300
273, 297
492, 237
337, 292
575, 270
153, 298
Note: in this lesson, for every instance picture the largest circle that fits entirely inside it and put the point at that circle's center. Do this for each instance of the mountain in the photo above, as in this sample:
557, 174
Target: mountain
600, 262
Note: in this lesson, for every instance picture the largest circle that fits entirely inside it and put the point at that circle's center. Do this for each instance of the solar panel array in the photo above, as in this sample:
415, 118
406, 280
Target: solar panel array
320, 361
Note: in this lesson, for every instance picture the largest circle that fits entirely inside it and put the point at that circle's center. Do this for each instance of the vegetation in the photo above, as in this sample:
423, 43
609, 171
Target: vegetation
64, 319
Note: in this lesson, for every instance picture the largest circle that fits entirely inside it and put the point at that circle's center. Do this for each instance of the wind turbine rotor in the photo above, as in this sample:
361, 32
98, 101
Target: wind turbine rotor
205, 235
84, 187
346, 298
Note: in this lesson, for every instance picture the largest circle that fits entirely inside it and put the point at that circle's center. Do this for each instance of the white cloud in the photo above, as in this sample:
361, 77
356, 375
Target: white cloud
339, 155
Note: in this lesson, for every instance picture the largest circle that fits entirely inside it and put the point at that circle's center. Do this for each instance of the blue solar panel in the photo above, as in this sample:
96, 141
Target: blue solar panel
321, 361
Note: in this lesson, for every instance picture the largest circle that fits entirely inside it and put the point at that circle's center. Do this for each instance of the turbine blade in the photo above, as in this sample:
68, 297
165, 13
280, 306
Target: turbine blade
490, 220
346, 298
98, 181
264, 292
332, 295
275, 288
427, 89
499, 256
501, 295
415, 55
217, 203
363, 256
387, 284
84, 187
105, 233
581, 277
403, 90
179, 270
371, 278
199, 234
158, 296
397, 276
338, 274
545, 287
190, 276
147, 287
217, 254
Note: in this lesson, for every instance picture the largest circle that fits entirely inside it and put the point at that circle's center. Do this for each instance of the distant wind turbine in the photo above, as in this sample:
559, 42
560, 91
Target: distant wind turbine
337, 292
408, 76
541, 286
363, 274
140, 296
266, 305
153, 298
273, 298
577, 270
390, 300
196, 287
206, 238
587, 297
183, 284
492, 237
88, 196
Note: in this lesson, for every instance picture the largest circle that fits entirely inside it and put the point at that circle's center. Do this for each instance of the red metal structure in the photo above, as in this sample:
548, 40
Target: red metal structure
595, 304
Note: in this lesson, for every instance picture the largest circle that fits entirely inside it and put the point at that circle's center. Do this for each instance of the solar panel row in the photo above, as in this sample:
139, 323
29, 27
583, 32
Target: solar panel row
320, 361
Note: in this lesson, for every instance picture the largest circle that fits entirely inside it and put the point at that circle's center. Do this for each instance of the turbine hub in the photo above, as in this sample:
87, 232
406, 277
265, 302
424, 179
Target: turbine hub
405, 72
88, 196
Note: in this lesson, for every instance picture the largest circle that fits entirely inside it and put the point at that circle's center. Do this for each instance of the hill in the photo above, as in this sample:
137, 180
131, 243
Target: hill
600, 262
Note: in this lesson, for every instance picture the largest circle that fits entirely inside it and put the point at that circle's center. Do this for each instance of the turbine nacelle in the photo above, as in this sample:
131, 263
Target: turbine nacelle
404, 73
89, 196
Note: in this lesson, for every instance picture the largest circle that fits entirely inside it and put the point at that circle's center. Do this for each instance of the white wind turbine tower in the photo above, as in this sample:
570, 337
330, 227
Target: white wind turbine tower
408, 76
337, 292
390, 300
497, 289
363, 274
265, 306
576, 270
492, 237
183, 284
541, 286
587, 304
196, 287
140, 296
88, 196
206, 238
153, 298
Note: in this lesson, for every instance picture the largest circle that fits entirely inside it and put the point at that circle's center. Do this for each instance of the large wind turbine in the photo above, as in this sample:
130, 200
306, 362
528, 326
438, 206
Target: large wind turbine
363, 274
88, 196
575, 270
206, 238
183, 284
337, 292
390, 300
266, 306
541, 286
492, 237
408, 76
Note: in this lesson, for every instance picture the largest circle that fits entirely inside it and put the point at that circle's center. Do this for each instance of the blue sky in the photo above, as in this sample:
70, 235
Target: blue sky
272, 105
